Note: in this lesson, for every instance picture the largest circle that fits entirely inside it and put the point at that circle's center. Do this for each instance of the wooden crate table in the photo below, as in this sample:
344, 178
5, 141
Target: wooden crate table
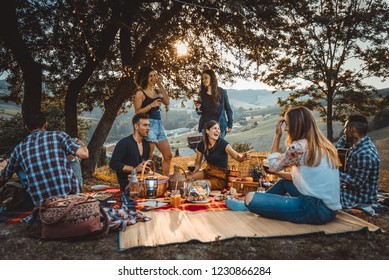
244, 187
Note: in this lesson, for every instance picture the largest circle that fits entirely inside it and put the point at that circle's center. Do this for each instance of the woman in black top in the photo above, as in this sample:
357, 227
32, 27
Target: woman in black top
148, 100
216, 151
214, 103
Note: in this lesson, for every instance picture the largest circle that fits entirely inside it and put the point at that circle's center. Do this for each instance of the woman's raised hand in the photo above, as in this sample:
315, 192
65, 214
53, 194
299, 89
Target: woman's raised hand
159, 81
279, 127
156, 103
246, 155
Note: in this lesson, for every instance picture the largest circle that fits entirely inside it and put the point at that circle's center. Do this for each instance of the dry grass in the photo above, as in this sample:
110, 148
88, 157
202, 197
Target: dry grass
362, 245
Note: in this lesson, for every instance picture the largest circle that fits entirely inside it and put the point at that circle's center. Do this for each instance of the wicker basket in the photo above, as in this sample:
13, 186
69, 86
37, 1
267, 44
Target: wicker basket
162, 180
245, 167
233, 173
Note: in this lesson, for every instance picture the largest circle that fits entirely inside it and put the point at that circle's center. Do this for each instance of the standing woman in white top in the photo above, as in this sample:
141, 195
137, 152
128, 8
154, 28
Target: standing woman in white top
310, 193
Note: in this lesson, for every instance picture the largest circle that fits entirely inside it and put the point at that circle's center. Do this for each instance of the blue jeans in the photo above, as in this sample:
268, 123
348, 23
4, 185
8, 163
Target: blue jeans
22, 177
76, 166
296, 207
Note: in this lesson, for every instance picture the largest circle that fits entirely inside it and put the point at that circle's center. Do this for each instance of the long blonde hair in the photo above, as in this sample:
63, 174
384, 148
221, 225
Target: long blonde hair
302, 125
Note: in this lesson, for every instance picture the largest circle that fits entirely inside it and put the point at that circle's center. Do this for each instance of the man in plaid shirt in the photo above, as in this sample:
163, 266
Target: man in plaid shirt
359, 181
43, 158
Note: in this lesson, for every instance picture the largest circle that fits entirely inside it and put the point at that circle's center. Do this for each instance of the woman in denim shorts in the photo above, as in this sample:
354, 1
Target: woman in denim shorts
148, 100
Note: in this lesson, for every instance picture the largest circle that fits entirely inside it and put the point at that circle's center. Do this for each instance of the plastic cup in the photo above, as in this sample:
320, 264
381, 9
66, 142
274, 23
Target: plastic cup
175, 198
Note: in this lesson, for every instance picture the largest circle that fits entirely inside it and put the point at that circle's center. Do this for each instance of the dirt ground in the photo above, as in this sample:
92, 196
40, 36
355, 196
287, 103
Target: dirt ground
16, 245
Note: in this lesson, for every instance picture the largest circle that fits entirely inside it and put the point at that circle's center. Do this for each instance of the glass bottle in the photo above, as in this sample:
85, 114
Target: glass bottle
133, 185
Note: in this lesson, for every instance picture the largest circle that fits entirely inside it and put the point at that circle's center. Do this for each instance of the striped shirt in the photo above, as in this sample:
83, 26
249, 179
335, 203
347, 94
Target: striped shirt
42, 156
360, 180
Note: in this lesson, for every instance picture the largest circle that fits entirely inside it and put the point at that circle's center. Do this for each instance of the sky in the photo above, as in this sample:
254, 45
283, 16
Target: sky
251, 84
243, 84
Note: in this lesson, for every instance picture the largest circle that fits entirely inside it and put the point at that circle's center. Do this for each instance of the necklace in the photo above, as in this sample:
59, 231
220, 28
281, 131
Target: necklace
210, 147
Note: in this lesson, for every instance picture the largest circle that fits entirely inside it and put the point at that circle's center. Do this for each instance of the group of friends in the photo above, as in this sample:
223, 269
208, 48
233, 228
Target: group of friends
311, 192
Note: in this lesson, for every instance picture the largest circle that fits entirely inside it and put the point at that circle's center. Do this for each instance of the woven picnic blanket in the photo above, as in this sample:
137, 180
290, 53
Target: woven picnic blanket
172, 227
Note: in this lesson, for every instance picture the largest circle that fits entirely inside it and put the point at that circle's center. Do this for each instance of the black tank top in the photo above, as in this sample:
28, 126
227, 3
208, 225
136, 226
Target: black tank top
154, 112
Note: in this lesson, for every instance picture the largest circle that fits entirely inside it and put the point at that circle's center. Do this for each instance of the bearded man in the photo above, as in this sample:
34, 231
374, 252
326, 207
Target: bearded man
359, 179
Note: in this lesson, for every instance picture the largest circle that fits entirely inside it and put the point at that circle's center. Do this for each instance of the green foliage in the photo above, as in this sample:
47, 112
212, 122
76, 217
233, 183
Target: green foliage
381, 120
242, 147
311, 40
56, 120
12, 129
318, 42
11, 133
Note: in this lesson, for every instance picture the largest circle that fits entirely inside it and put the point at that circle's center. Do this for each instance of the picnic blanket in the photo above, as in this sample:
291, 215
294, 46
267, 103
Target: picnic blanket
169, 227
114, 194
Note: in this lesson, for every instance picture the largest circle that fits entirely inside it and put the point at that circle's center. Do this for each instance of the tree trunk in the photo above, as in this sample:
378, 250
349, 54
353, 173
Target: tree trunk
330, 132
75, 86
105, 124
32, 71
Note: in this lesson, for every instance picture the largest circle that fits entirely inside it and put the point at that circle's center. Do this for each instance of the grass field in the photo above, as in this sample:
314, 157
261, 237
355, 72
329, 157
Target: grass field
260, 137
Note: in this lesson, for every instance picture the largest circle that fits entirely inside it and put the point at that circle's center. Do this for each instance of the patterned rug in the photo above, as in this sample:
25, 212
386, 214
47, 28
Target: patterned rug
113, 195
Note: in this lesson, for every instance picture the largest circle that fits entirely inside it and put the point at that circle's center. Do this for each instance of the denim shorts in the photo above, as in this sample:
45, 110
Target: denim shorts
157, 133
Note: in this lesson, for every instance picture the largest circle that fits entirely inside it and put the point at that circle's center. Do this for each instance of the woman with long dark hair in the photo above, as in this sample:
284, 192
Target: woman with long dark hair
310, 192
215, 150
214, 103
148, 100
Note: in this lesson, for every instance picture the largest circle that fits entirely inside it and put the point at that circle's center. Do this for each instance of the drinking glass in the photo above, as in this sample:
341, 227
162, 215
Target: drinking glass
197, 100
175, 198
191, 167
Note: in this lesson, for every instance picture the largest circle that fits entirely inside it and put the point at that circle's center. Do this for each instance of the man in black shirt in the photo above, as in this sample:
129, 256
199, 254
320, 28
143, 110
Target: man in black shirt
132, 151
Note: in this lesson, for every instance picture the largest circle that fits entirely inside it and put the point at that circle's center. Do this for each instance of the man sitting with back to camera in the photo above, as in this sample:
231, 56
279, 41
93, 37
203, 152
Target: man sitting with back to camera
359, 180
132, 151
42, 157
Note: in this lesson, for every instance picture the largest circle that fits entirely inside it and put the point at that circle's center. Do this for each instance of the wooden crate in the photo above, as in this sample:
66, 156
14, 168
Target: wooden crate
245, 167
244, 187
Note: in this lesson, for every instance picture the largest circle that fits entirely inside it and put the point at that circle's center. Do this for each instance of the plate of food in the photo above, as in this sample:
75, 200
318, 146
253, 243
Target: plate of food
99, 187
200, 201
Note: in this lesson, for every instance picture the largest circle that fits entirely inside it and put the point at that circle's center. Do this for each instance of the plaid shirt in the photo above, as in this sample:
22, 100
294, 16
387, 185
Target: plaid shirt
360, 180
42, 155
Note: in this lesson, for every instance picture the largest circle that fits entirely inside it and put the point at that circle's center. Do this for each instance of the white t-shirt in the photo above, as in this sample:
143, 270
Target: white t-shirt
320, 181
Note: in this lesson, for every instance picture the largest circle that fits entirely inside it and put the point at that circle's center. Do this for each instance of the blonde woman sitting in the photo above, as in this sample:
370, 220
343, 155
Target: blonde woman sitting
310, 193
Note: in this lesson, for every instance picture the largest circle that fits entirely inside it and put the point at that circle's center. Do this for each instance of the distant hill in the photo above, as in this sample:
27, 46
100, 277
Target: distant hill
256, 102
250, 98
380, 138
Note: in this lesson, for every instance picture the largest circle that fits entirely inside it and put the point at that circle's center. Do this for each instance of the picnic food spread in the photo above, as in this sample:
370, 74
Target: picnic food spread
198, 190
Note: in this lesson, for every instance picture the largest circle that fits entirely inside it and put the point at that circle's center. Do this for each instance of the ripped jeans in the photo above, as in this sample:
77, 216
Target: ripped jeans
296, 208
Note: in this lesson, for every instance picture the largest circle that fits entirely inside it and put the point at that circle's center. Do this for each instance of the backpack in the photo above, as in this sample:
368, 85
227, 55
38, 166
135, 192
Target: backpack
15, 198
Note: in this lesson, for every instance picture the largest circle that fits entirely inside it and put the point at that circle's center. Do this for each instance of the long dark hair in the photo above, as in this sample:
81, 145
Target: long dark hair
214, 86
208, 125
143, 76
